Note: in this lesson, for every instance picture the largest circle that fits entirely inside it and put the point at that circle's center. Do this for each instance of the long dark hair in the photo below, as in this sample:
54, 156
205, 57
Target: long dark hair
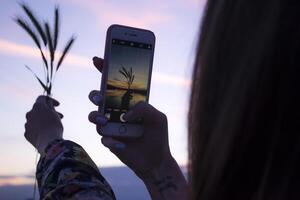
244, 116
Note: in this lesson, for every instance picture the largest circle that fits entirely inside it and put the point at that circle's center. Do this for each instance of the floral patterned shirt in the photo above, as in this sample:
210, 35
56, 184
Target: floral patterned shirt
67, 172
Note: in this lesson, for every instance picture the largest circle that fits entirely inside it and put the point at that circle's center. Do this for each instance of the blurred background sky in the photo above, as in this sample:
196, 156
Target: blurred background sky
176, 25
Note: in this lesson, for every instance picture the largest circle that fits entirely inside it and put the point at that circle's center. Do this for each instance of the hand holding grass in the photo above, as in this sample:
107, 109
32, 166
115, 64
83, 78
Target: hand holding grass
43, 123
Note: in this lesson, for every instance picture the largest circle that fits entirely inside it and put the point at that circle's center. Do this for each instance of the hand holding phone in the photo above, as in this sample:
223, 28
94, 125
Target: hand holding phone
126, 78
142, 154
148, 156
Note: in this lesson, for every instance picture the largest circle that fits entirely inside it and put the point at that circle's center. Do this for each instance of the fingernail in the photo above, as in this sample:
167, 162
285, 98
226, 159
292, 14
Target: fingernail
96, 98
127, 115
120, 146
101, 120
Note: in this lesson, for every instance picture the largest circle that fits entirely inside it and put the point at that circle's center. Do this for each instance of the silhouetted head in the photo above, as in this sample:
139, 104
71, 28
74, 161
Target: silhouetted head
244, 118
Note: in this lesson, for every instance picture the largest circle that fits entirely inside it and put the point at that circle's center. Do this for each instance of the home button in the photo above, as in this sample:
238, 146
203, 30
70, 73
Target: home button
122, 129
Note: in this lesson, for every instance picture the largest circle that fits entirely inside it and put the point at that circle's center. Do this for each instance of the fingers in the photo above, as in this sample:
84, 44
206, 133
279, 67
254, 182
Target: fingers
116, 147
41, 99
38, 106
27, 115
27, 135
98, 63
96, 97
140, 110
51, 103
47, 100
98, 119
54, 102
113, 144
60, 115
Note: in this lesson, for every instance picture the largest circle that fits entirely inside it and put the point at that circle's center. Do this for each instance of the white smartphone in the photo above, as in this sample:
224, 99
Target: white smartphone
126, 78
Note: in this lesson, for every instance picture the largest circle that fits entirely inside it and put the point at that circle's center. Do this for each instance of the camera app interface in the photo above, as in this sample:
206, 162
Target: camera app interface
127, 82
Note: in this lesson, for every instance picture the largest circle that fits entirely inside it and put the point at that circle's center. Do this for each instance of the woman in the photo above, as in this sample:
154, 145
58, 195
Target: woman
65, 171
244, 137
244, 133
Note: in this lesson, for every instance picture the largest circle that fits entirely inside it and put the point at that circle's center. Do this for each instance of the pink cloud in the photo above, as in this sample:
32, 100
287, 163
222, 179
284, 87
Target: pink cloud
16, 181
15, 49
12, 48
19, 91
145, 16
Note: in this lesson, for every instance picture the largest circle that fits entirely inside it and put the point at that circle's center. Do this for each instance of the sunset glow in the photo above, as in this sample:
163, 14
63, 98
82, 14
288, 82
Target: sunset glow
16, 181
176, 26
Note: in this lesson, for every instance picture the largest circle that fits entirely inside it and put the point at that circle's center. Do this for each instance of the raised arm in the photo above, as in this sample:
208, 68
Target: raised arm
149, 156
166, 181
65, 171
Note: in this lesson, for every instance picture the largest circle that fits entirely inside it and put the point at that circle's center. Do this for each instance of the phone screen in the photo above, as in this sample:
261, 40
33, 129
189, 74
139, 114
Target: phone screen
128, 76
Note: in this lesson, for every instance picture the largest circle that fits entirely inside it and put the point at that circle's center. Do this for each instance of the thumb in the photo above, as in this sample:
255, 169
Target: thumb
48, 101
51, 102
140, 110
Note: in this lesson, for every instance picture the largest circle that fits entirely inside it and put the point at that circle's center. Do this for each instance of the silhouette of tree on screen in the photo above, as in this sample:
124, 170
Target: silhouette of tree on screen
128, 76
129, 80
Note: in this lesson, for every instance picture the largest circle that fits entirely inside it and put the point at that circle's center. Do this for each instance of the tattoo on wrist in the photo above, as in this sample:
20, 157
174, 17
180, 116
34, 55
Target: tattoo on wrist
164, 184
